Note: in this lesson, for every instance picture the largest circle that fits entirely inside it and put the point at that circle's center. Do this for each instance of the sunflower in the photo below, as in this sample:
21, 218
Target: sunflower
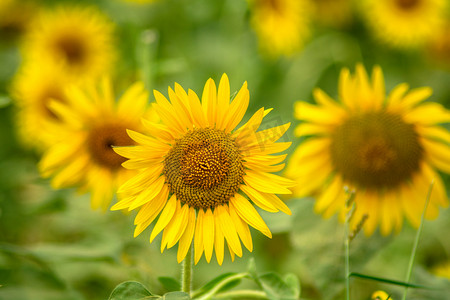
90, 123
442, 270
439, 46
381, 295
15, 18
282, 26
198, 175
33, 88
404, 23
387, 149
334, 13
77, 39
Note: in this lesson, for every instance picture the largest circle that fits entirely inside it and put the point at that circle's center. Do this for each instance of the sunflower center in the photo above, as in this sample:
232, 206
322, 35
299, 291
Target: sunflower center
407, 4
376, 150
72, 49
204, 168
100, 141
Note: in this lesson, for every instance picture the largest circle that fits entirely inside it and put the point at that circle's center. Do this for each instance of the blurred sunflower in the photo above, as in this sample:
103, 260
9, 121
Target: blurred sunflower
404, 23
193, 169
90, 124
386, 149
381, 295
33, 87
282, 26
332, 13
439, 46
15, 18
443, 270
77, 39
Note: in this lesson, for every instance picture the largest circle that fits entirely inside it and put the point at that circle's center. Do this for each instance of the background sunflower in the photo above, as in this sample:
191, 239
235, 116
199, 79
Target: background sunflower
53, 246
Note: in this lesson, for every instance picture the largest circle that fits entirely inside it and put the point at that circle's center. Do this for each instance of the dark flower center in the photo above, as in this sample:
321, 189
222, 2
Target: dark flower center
376, 150
204, 168
100, 141
72, 49
407, 4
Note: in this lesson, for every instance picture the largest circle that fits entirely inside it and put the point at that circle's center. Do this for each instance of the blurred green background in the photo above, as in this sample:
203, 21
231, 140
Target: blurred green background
53, 246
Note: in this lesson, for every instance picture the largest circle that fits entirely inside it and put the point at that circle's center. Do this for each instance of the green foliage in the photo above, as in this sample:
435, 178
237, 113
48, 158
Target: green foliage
130, 290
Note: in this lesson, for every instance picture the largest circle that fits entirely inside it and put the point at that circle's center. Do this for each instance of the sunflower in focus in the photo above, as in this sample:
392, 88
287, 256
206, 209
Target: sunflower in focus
282, 26
77, 39
33, 88
199, 175
90, 124
404, 23
387, 149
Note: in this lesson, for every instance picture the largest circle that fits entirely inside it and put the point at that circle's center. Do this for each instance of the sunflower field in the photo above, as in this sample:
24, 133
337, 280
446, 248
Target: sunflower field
227, 149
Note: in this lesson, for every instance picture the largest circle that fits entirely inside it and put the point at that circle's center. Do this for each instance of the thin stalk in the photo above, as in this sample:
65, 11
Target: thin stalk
147, 44
242, 294
350, 204
217, 288
186, 272
416, 241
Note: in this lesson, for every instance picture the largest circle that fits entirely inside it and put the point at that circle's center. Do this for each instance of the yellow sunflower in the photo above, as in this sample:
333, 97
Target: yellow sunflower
15, 18
33, 87
387, 149
404, 23
198, 175
381, 295
443, 270
90, 123
282, 26
77, 39
334, 13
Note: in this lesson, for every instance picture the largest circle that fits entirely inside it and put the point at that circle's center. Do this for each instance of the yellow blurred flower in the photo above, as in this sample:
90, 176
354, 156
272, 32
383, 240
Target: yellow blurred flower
15, 18
195, 171
404, 23
381, 295
443, 270
387, 149
33, 88
282, 26
439, 46
90, 123
332, 13
77, 39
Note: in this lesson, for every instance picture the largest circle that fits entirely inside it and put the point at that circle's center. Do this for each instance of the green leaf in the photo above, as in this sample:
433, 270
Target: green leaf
251, 268
216, 281
176, 296
292, 281
130, 290
170, 283
4, 101
276, 288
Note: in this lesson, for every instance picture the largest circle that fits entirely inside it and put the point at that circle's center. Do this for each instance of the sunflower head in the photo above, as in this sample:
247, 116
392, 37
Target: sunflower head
282, 26
89, 124
198, 175
404, 23
386, 148
79, 40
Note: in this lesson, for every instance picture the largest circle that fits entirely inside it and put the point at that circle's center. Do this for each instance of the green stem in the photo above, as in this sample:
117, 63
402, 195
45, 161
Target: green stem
416, 241
217, 288
347, 259
147, 45
242, 294
186, 273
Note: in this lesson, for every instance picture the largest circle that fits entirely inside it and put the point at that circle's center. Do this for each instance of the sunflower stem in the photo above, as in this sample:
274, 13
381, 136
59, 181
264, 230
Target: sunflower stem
242, 294
416, 241
147, 44
186, 272
351, 208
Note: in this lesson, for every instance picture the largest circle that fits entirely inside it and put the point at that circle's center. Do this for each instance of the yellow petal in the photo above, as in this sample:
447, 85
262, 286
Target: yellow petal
148, 194
223, 101
218, 239
258, 199
186, 238
198, 115
165, 217
208, 234
198, 239
242, 230
228, 229
209, 101
249, 214
237, 108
